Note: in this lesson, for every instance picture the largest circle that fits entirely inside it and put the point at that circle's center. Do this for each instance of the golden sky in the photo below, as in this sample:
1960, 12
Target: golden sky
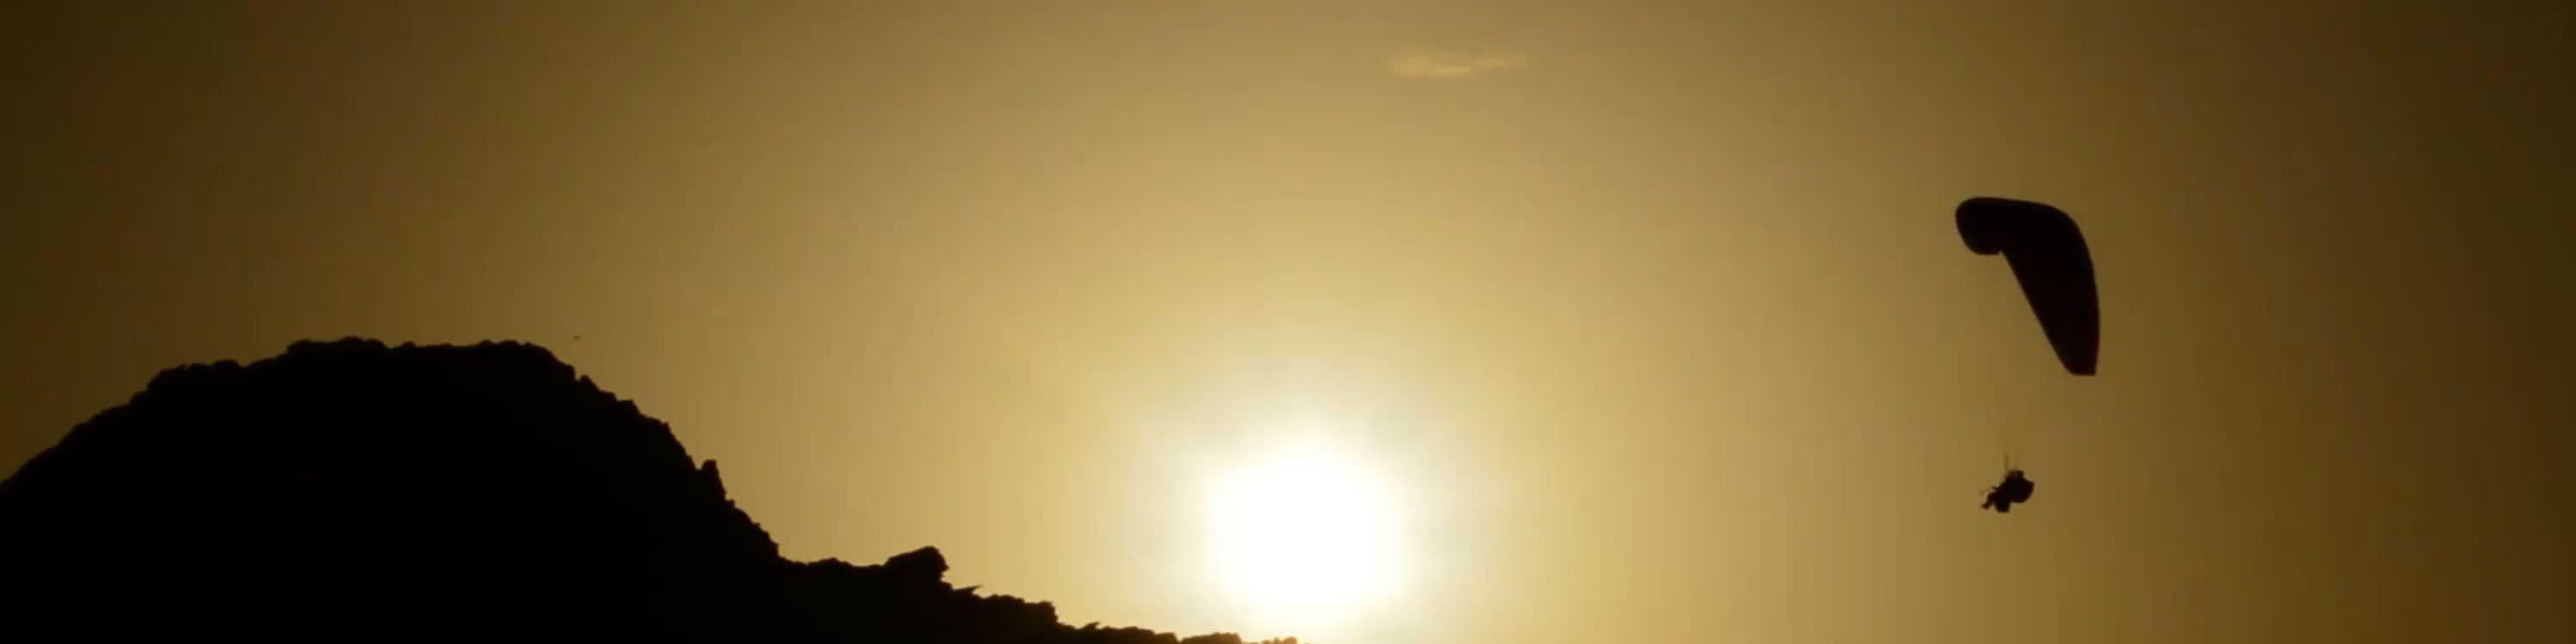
1652, 315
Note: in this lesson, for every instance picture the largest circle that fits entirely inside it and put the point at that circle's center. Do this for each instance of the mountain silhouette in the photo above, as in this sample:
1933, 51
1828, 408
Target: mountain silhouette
351, 491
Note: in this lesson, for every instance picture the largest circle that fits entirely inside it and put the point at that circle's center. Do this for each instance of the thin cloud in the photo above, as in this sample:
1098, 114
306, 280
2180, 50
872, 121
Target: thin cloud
1451, 66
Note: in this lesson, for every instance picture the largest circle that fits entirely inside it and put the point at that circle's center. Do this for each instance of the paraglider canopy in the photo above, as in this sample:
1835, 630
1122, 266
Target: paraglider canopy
2049, 258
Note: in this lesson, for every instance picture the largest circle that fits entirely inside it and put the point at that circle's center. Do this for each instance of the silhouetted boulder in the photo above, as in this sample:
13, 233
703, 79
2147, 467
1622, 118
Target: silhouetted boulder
350, 491
923, 566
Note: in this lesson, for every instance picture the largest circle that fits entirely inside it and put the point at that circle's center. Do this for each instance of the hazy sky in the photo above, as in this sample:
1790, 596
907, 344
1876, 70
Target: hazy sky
1652, 315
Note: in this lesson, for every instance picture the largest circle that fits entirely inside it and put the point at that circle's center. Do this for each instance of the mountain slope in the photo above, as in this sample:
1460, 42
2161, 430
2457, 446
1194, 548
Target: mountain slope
352, 491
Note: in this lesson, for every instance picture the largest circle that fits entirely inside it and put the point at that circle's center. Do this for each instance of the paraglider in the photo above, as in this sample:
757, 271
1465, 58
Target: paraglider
2049, 258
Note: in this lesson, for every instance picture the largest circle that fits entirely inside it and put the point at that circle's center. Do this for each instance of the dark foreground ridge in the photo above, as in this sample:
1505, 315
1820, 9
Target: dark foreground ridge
350, 491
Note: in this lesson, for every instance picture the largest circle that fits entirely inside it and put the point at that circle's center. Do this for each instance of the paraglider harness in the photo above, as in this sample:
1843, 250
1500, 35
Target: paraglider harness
2014, 489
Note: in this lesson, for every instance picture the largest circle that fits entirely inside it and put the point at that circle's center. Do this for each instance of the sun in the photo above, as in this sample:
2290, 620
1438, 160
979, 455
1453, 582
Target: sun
1305, 536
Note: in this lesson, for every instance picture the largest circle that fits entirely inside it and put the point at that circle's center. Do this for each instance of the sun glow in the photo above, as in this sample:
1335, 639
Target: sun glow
1305, 536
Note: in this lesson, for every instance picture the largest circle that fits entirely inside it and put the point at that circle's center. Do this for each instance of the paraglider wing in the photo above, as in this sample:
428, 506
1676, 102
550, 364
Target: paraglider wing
2049, 258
